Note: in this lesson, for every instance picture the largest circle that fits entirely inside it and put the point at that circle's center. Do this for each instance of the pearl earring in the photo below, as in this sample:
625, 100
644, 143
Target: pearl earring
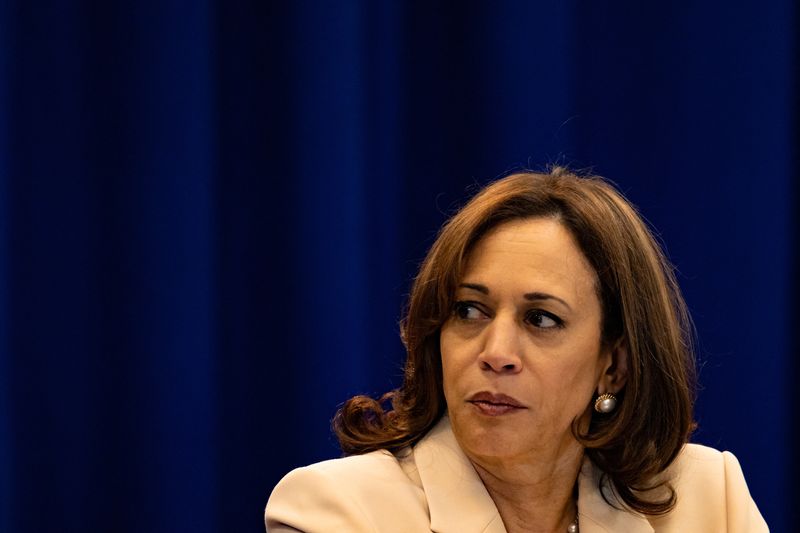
605, 403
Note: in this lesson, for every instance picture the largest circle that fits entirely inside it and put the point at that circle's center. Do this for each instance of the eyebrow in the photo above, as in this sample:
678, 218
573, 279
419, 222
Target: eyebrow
531, 296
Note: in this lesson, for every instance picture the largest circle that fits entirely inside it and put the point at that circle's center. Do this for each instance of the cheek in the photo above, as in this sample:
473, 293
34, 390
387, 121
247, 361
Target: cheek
446, 353
455, 360
573, 380
564, 397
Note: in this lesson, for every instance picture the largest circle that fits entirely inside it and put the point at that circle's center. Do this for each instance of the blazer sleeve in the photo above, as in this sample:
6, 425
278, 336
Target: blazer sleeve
310, 500
742, 514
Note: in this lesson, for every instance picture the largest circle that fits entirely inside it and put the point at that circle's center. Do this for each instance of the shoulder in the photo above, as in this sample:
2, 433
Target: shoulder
711, 492
706, 469
356, 493
377, 464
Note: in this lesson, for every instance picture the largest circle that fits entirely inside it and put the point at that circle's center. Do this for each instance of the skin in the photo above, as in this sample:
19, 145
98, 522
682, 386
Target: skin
544, 351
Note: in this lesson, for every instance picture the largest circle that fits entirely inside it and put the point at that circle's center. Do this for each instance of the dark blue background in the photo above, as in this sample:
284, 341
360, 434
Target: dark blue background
210, 214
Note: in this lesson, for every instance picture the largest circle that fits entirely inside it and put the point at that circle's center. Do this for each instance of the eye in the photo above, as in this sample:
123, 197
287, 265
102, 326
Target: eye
468, 311
543, 319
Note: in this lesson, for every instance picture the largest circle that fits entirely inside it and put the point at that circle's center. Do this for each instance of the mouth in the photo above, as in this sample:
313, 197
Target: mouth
495, 404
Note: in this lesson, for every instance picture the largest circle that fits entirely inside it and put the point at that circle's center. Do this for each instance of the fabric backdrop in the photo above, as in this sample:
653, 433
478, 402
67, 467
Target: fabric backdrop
210, 214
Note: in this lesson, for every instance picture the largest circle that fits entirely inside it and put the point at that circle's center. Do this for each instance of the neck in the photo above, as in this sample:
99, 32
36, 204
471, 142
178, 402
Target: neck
533, 494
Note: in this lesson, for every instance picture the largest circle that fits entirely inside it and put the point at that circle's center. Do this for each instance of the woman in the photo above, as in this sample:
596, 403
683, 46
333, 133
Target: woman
548, 386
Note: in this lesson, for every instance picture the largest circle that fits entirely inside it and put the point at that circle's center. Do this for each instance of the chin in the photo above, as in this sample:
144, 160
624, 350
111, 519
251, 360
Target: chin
488, 438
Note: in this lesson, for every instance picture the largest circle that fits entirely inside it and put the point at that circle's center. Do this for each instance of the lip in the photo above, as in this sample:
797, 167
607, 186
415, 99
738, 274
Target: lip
495, 403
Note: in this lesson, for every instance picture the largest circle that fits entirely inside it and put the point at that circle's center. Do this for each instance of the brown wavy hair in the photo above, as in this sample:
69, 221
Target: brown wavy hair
641, 305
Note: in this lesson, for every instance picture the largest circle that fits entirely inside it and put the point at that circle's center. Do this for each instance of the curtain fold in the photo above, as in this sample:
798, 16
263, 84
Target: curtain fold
211, 214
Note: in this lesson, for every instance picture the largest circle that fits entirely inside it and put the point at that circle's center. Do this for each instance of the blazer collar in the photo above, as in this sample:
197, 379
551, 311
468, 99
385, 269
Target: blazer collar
457, 500
459, 503
595, 515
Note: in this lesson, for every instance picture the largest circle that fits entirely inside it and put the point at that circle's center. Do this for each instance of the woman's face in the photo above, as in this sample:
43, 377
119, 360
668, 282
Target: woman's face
521, 353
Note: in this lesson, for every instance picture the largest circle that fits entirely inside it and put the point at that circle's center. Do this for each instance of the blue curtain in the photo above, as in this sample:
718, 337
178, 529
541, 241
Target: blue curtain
211, 212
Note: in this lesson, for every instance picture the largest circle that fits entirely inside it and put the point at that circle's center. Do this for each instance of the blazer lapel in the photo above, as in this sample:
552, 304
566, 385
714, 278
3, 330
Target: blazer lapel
597, 516
459, 503
457, 500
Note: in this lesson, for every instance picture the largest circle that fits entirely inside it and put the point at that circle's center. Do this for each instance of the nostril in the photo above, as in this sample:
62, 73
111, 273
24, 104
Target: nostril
499, 364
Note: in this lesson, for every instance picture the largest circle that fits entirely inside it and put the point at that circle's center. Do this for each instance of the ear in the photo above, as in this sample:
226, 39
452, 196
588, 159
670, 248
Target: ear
615, 369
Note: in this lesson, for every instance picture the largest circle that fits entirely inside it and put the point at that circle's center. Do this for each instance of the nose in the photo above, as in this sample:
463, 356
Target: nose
502, 347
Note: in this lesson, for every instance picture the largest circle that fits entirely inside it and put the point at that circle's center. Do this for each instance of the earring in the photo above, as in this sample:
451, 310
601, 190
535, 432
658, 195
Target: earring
605, 403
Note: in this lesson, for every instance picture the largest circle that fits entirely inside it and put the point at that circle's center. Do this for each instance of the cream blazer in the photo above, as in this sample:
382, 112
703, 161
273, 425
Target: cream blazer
436, 488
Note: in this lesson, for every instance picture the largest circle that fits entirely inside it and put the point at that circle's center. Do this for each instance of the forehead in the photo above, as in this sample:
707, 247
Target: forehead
531, 253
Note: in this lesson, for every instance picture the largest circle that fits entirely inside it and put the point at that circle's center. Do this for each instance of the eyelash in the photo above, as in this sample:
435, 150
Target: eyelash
462, 306
538, 312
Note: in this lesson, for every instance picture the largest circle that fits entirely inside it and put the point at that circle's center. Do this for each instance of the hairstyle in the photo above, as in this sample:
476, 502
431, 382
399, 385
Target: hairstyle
641, 305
